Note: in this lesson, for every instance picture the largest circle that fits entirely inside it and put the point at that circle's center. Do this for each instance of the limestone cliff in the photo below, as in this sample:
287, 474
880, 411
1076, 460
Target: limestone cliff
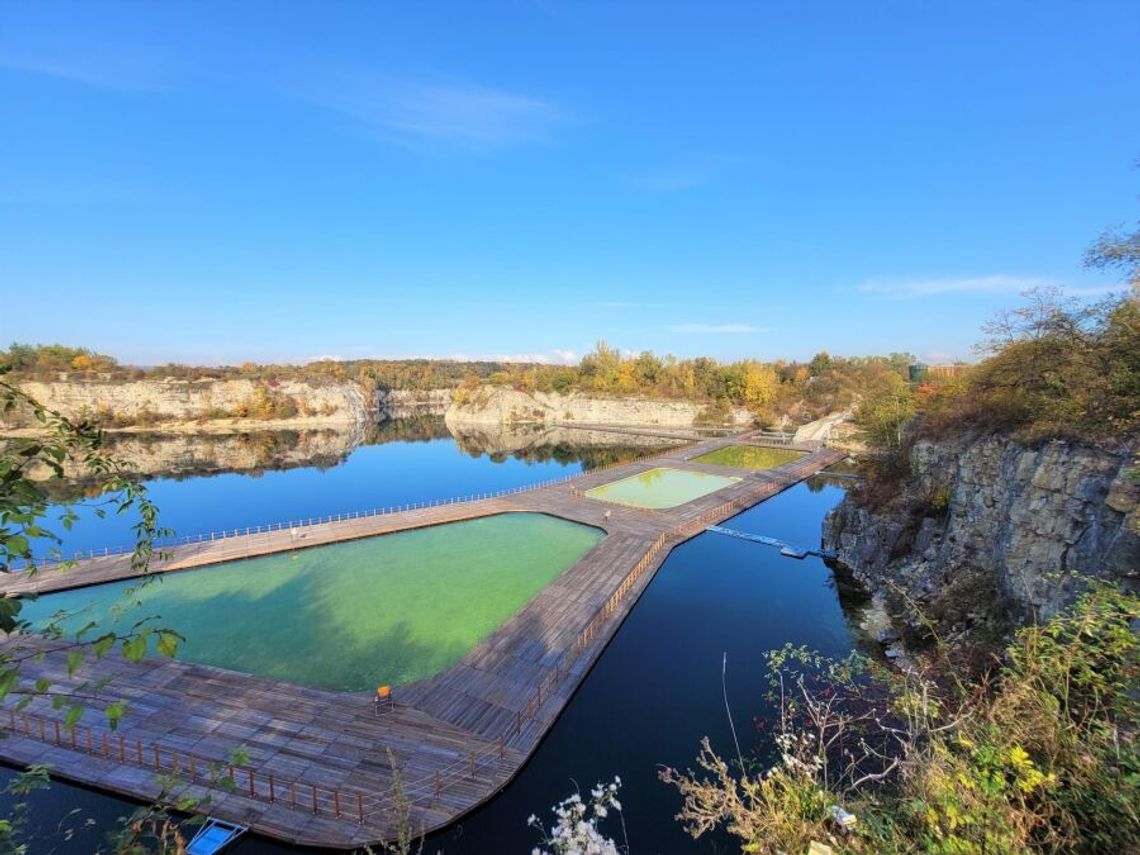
1034, 520
175, 400
489, 405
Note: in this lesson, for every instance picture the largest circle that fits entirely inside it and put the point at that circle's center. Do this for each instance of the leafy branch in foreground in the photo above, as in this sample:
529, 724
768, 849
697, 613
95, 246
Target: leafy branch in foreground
29, 540
1041, 757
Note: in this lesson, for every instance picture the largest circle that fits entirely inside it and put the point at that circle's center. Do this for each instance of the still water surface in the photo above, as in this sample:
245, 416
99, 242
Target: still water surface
392, 466
651, 697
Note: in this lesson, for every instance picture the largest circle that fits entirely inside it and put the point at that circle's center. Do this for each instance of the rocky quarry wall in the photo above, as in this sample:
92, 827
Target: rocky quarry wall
500, 405
1041, 519
174, 399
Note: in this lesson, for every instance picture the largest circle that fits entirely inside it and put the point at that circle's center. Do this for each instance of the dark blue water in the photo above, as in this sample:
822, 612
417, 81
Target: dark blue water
652, 696
373, 476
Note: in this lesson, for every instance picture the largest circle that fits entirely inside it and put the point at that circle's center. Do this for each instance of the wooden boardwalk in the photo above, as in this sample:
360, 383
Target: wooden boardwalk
319, 769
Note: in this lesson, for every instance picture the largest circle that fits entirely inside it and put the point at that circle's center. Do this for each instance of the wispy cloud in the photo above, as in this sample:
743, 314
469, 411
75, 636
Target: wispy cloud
682, 173
627, 304
128, 69
909, 289
555, 356
716, 329
450, 113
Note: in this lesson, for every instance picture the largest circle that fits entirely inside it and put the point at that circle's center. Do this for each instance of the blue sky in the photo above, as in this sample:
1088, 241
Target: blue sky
218, 181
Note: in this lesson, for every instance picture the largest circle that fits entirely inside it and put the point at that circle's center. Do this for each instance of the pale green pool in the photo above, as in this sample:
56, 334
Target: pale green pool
660, 488
749, 457
350, 616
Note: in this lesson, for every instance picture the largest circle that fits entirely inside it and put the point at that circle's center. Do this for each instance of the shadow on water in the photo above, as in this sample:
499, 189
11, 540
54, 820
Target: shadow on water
653, 694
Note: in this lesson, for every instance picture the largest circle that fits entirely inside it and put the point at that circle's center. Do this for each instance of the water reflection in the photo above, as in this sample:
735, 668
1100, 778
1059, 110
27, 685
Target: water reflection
180, 455
210, 482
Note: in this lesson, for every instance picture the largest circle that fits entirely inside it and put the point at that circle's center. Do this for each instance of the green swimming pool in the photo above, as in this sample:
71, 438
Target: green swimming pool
749, 457
660, 488
349, 616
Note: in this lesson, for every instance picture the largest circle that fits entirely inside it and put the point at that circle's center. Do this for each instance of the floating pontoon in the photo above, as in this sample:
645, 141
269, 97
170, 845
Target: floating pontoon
786, 549
215, 836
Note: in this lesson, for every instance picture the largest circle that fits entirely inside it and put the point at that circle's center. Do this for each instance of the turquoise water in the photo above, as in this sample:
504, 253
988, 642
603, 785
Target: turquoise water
660, 488
350, 616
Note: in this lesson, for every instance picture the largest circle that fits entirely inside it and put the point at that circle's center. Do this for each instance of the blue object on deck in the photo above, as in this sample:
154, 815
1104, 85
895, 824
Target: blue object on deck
786, 549
215, 836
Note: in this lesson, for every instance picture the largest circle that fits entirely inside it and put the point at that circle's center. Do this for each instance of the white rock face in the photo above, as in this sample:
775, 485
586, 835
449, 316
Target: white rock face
500, 405
820, 430
1040, 518
187, 400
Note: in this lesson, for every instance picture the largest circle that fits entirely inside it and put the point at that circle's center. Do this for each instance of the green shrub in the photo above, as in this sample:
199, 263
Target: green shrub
1038, 757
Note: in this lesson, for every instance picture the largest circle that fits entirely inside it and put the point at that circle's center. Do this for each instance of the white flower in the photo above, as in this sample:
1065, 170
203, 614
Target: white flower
576, 831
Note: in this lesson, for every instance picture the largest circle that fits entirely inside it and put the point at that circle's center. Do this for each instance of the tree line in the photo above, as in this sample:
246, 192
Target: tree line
776, 391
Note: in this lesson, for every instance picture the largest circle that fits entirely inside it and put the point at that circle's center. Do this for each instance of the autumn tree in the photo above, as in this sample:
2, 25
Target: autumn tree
760, 384
885, 411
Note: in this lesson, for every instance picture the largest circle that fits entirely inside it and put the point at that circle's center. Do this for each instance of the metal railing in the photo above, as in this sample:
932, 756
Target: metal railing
192, 769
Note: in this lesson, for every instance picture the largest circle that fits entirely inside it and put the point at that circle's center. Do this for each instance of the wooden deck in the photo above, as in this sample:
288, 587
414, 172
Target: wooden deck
319, 768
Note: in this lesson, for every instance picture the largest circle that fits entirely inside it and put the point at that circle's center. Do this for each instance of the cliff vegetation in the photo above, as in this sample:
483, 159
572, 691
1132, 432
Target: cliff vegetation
1037, 755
